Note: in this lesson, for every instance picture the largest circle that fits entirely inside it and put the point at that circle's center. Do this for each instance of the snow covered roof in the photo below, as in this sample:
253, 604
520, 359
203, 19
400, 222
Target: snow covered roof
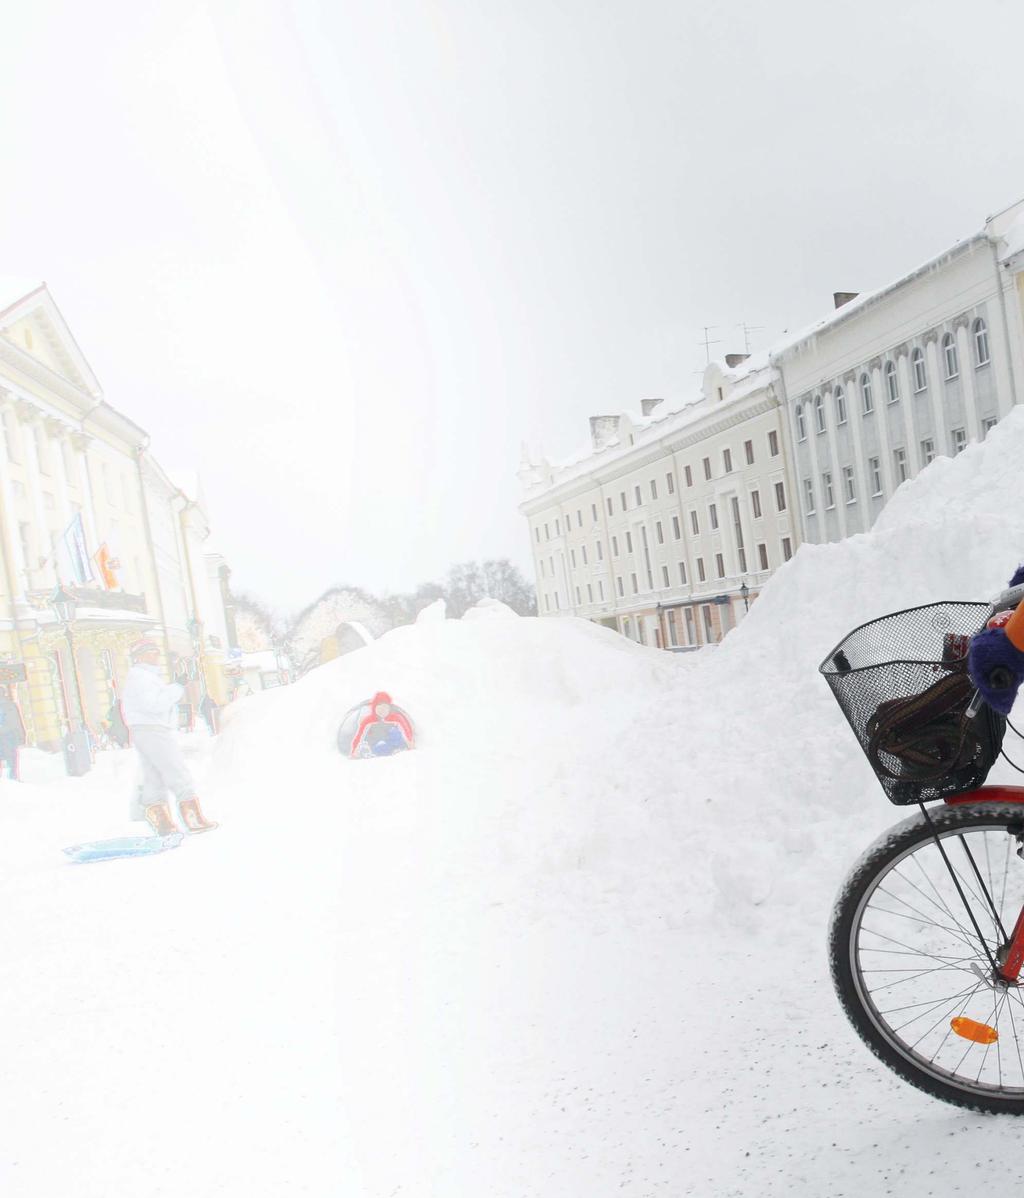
13, 290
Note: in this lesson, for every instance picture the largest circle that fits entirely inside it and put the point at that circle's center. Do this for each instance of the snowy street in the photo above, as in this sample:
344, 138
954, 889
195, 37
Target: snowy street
571, 945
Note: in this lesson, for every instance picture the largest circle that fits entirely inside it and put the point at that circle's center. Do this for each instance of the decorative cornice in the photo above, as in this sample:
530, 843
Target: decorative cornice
930, 337
901, 351
58, 429
80, 441
27, 412
963, 321
875, 363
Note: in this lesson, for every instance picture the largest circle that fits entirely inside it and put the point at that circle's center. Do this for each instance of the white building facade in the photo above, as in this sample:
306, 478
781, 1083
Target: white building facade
668, 527
891, 380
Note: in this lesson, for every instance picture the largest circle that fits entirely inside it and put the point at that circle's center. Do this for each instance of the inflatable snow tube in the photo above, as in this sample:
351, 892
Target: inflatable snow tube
375, 727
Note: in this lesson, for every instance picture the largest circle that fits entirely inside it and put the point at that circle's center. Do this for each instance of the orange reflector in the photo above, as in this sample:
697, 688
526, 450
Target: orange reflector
980, 1033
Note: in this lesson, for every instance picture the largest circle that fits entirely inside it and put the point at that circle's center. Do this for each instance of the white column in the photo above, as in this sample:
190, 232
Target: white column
828, 398
13, 537
963, 348
29, 417
855, 415
80, 443
881, 394
935, 376
907, 404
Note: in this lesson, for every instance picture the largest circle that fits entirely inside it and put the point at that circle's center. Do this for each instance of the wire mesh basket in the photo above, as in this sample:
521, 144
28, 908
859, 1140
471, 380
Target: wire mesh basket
902, 683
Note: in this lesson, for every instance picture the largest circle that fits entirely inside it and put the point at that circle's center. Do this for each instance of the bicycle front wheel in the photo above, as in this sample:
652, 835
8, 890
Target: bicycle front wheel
910, 969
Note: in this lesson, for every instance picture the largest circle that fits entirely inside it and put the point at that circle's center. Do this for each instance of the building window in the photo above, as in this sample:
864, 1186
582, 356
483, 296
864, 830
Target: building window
727, 460
579, 598
629, 542
579, 517
787, 549
742, 554
840, 406
693, 523
867, 402
719, 565
583, 550
572, 557
819, 413
920, 373
543, 572
826, 480
590, 593
682, 573
593, 512
875, 467
988, 424
618, 583
773, 443
927, 450
659, 533
558, 528
654, 489
900, 459
636, 495
615, 546
748, 449
959, 440
670, 482
892, 383
713, 515
547, 602
677, 530
537, 533
707, 467
636, 585
664, 577
848, 486
980, 343
547, 532
801, 427
709, 628
780, 497
622, 499
949, 356
689, 476
609, 502
755, 504
762, 556
700, 568
809, 497
600, 551
673, 632
600, 590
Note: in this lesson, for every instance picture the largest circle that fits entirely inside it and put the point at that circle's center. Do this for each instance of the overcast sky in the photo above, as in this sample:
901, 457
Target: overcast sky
344, 257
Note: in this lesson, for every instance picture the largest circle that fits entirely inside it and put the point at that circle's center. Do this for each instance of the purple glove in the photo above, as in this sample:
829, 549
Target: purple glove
996, 668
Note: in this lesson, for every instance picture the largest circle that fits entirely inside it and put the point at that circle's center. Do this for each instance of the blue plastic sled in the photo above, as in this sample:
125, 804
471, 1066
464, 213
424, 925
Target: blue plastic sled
122, 846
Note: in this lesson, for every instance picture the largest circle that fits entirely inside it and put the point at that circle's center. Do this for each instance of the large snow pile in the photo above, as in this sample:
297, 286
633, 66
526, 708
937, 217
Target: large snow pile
561, 948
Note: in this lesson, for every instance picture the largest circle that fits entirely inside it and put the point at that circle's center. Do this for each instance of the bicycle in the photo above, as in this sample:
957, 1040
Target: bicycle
926, 941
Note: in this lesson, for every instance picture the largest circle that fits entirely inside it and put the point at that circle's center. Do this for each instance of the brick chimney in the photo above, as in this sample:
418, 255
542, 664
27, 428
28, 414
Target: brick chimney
602, 430
843, 297
647, 406
732, 360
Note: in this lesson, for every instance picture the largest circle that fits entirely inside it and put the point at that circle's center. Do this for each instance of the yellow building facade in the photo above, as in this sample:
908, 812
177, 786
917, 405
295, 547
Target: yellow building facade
84, 504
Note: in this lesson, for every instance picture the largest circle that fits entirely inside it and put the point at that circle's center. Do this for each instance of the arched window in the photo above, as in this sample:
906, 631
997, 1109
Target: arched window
819, 414
840, 406
892, 384
980, 342
949, 356
865, 394
920, 373
801, 427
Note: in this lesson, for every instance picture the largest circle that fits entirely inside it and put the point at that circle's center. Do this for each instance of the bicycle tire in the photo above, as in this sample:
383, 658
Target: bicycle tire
849, 935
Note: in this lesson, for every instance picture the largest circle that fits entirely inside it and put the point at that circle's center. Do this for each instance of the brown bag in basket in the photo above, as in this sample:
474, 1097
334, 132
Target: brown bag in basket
926, 732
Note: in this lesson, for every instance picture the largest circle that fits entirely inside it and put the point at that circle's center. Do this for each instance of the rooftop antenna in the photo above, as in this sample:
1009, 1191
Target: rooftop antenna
708, 343
747, 330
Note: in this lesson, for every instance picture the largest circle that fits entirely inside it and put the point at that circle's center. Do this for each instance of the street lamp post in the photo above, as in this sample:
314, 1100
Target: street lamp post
745, 592
65, 605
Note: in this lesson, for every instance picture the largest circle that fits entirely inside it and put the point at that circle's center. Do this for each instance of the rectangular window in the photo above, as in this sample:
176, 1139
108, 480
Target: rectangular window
622, 499
664, 576
682, 573
600, 589
762, 556
677, 530
673, 632
727, 460
547, 602
742, 555
659, 533
593, 511
600, 551
691, 628
629, 542
787, 549
615, 546
755, 504
809, 497
709, 627
693, 523
748, 449
875, 469
547, 533
558, 602
713, 515
618, 583
700, 570
537, 533
900, 460
927, 450
654, 489
719, 565
636, 494
590, 593
543, 572
579, 517
579, 599
959, 440
737, 528
583, 550
988, 424
826, 480
689, 476
780, 497
609, 502
558, 528
670, 482
773, 443
849, 489
572, 557
707, 467
636, 585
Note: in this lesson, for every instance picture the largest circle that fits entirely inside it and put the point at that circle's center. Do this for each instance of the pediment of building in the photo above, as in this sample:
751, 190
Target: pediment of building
31, 322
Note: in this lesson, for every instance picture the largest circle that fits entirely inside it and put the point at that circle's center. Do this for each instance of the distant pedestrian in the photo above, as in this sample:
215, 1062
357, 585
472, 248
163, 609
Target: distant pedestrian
150, 708
12, 734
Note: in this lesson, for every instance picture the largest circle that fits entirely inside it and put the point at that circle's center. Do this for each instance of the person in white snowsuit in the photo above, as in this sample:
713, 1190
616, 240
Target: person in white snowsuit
149, 705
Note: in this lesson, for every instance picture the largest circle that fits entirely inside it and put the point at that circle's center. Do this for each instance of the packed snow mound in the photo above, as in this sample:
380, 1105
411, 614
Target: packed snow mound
438, 610
488, 608
556, 755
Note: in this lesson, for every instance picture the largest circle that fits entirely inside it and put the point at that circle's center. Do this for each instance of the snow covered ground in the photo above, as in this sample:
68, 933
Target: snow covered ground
571, 946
